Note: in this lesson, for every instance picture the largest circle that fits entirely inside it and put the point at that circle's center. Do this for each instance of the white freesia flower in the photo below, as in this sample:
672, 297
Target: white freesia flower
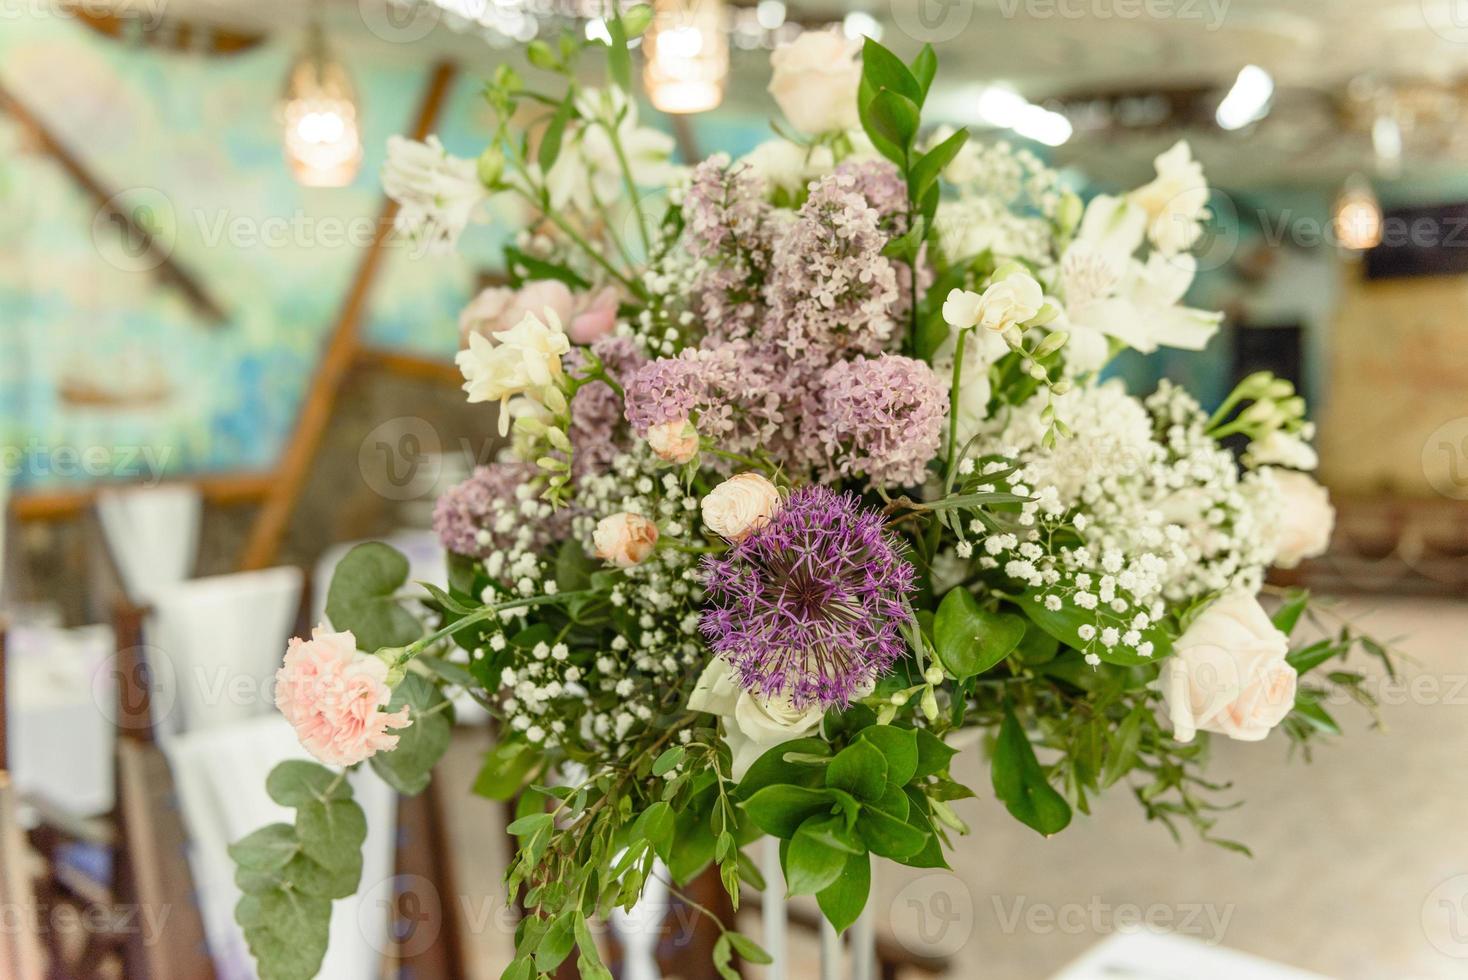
1228, 673
752, 724
437, 193
1303, 525
1006, 303
587, 174
526, 359
1280, 448
815, 81
1176, 201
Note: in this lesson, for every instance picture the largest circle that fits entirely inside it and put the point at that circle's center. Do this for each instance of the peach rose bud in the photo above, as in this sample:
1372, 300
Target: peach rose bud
675, 442
740, 505
624, 539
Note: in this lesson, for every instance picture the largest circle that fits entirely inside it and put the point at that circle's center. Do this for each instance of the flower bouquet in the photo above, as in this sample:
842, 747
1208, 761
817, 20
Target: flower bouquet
813, 479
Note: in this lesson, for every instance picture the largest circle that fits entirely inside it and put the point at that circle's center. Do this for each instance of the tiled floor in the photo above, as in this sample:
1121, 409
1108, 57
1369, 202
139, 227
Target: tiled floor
1361, 857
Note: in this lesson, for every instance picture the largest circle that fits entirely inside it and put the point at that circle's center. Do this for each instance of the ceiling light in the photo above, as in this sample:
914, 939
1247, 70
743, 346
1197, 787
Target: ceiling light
1248, 100
687, 55
859, 23
770, 14
1005, 108
323, 143
1357, 215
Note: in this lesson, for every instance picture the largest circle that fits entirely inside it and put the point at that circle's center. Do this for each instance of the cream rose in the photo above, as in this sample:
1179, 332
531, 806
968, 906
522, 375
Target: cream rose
624, 539
752, 725
739, 505
815, 81
1305, 519
527, 357
675, 442
1228, 673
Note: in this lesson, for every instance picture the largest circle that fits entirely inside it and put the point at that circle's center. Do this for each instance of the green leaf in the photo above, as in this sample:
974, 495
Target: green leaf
506, 768
573, 567
842, 901
523, 968
969, 638
899, 747
749, 949
409, 767
723, 958
1316, 716
637, 19
1289, 613
542, 56
1064, 624
780, 810
527, 268
530, 825
667, 761
927, 169
289, 935
810, 862
555, 131
771, 768
889, 836
1121, 754
925, 69
881, 69
556, 944
1020, 782
332, 834
860, 769
895, 118
657, 826
317, 880
934, 755
589, 964
297, 782
619, 58
267, 849
362, 597
1307, 658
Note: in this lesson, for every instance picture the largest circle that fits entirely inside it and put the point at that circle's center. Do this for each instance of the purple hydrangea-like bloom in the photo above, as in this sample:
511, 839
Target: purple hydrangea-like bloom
831, 292
483, 514
882, 417
810, 605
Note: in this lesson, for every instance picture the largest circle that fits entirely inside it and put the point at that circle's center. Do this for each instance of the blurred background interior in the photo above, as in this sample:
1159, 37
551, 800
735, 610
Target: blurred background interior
217, 370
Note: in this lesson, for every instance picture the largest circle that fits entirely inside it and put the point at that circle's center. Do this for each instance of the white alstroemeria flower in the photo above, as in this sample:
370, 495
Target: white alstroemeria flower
526, 359
587, 173
437, 193
1176, 201
1136, 303
752, 724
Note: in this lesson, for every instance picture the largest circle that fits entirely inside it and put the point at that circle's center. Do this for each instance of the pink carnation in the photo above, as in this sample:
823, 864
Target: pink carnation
332, 695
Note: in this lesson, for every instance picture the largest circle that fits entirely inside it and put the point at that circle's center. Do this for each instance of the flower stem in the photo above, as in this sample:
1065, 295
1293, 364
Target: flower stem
478, 616
950, 469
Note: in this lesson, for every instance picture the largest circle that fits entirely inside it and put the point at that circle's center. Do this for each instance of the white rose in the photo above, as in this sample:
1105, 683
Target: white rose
740, 505
1228, 673
1176, 201
674, 442
1305, 517
624, 539
1006, 303
527, 358
437, 194
752, 724
1281, 448
816, 77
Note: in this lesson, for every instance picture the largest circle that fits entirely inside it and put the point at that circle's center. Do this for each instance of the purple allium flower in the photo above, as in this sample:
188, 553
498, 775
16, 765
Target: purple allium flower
596, 410
483, 514
809, 605
831, 292
882, 417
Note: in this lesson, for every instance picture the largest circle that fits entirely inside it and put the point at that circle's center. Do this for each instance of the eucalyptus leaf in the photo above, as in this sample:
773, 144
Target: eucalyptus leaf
409, 767
362, 597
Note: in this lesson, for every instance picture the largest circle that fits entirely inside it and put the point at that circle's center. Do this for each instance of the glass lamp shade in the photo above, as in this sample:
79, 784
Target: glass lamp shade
1357, 218
687, 55
323, 140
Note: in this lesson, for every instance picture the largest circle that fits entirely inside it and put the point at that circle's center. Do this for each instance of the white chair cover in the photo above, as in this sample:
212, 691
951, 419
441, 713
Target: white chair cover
215, 643
62, 720
152, 534
220, 774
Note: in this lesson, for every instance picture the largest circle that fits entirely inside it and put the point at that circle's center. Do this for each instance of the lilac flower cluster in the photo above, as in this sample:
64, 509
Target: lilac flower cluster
831, 292
736, 395
882, 187
810, 606
485, 513
882, 417
596, 410
731, 228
